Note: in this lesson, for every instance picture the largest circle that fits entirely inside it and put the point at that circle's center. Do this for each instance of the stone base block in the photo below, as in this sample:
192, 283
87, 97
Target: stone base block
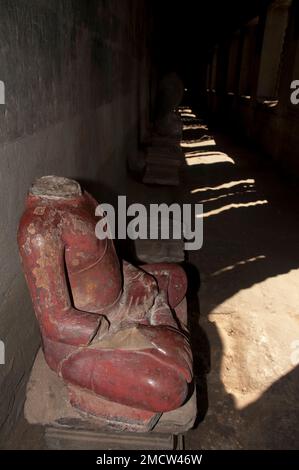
163, 165
162, 175
160, 251
47, 403
75, 439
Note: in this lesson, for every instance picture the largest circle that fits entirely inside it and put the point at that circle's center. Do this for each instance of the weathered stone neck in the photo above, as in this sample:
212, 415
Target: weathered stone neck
55, 187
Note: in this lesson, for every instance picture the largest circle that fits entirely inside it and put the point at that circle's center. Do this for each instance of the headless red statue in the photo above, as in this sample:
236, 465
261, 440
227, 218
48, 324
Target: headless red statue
115, 334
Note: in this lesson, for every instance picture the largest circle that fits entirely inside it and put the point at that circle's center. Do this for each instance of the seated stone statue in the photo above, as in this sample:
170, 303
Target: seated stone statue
164, 156
115, 334
169, 95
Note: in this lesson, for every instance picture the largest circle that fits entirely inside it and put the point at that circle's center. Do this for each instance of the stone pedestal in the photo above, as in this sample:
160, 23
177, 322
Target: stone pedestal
159, 251
163, 164
164, 155
156, 251
47, 404
78, 439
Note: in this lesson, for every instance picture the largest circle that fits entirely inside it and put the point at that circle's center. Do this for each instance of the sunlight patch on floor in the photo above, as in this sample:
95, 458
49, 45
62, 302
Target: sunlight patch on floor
207, 158
232, 206
239, 263
259, 326
236, 193
189, 115
187, 127
184, 109
229, 185
199, 143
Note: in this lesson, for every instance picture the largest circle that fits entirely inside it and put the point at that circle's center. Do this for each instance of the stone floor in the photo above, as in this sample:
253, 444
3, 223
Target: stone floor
247, 276
243, 296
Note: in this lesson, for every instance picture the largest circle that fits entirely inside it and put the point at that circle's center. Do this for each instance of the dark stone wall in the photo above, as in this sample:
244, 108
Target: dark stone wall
59, 58
76, 77
271, 126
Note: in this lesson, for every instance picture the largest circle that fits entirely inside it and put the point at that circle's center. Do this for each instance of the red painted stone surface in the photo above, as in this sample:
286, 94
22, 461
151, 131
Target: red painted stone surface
108, 329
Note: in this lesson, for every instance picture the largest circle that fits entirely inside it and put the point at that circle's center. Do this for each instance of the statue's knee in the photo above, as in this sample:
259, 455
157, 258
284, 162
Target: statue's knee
172, 395
127, 377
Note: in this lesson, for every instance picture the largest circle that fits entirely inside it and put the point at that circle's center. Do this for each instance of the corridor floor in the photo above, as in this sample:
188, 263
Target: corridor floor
244, 294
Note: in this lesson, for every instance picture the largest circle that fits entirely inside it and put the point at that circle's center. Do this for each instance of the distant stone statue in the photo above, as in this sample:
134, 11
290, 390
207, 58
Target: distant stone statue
170, 94
164, 155
116, 334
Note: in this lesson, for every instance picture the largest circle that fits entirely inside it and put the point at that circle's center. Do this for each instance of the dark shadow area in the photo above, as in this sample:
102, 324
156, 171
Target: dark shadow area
104, 194
201, 356
278, 422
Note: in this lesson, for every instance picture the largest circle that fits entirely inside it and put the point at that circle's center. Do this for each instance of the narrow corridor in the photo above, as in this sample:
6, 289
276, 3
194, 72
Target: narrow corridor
243, 295
148, 103
245, 278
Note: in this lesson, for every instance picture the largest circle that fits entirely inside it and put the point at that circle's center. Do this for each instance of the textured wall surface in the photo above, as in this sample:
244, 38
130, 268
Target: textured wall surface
75, 74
